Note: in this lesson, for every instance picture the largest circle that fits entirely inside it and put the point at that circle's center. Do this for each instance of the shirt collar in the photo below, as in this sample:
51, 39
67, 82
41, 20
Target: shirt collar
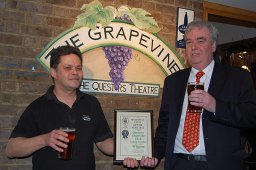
51, 96
208, 70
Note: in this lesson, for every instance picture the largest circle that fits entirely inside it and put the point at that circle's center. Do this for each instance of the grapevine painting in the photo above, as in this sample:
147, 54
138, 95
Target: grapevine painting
118, 56
122, 52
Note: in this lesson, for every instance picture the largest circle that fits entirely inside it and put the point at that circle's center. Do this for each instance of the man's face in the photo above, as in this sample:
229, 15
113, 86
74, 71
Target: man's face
68, 75
199, 50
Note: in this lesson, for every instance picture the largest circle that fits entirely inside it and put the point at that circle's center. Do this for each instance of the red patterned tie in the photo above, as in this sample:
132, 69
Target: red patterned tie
199, 74
192, 125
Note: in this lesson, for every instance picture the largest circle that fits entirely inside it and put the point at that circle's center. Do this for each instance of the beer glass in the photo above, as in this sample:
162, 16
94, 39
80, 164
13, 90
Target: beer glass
192, 86
67, 153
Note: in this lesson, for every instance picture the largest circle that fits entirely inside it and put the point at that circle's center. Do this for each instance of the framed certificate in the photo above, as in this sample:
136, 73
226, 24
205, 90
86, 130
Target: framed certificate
133, 134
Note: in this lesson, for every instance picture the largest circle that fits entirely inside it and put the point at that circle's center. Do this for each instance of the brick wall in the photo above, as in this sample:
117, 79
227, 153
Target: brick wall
26, 26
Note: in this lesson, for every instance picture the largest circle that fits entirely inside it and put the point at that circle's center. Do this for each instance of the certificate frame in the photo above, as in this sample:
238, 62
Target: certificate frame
133, 134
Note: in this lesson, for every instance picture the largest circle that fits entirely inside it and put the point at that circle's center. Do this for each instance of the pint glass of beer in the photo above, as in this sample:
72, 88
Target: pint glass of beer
67, 153
192, 86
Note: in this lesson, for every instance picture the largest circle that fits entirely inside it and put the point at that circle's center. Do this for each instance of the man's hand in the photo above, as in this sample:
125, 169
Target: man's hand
148, 162
57, 139
21, 146
130, 163
145, 162
202, 99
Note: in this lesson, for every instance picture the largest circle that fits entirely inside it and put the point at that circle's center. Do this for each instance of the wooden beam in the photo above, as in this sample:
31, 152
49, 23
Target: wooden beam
228, 12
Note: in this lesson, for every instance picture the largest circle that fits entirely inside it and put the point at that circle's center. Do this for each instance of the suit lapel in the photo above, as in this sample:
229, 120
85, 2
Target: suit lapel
181, 89
217, 80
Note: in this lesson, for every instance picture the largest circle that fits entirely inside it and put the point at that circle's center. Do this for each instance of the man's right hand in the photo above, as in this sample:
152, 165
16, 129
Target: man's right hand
56, 139
21, 146
145, 162
148, 162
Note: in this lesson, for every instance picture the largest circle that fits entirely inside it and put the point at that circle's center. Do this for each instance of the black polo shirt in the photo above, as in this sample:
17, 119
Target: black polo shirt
47, 113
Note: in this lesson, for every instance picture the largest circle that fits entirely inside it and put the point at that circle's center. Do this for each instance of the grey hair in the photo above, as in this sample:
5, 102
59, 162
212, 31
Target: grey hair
214, 33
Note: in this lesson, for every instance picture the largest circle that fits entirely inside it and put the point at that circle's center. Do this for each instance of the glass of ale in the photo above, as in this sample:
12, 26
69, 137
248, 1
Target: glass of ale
67, 153
193, 86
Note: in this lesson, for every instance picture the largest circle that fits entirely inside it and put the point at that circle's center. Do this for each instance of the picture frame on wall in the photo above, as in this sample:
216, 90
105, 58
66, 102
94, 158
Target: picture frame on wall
133, 134
184, 17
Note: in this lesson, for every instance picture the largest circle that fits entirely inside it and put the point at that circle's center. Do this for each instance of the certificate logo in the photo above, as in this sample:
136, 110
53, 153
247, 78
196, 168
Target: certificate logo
125, 121
125, 134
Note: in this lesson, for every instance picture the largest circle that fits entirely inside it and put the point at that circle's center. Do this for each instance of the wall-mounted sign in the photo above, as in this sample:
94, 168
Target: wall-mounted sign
107, 87
184, 17
119, 46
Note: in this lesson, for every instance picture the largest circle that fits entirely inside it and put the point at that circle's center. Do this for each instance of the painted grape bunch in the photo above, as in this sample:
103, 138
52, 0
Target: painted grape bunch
118, 58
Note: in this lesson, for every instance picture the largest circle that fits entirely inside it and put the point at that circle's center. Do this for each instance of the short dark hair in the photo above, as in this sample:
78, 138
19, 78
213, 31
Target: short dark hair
56, 54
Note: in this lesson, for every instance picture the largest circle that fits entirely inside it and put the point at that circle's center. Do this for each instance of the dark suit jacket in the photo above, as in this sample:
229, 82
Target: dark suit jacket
235, 97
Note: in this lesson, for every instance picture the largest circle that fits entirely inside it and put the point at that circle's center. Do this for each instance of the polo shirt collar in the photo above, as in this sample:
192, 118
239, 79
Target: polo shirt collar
51, 96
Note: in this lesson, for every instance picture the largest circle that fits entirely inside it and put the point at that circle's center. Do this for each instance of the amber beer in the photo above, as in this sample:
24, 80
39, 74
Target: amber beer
192, 86
67, 153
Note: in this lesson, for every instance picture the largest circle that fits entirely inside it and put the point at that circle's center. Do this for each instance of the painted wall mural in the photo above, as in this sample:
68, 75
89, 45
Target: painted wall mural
122, 53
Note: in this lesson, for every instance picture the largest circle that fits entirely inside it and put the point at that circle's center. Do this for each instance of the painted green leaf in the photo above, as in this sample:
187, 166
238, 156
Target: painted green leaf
93, 6
141, 19
95, 13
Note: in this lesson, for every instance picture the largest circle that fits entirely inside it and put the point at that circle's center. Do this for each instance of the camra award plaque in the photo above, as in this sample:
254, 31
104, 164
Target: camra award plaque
133, 134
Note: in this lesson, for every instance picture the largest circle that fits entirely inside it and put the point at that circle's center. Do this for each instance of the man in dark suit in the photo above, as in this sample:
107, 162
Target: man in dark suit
228, 101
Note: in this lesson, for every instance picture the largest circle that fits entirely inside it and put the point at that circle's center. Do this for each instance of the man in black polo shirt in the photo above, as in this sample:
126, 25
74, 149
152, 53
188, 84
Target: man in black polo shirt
37, 132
